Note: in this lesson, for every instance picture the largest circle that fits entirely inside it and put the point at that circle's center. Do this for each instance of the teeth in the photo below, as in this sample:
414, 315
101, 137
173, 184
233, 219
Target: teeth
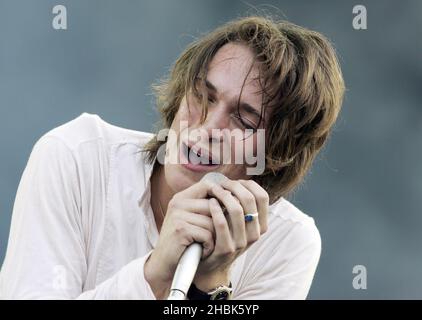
196, 157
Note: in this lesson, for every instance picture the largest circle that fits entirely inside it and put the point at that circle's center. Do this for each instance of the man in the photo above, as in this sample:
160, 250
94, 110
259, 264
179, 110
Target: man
94, 218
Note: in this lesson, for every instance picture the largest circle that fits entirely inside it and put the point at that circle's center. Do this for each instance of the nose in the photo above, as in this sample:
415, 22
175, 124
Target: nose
211, 129
217, 118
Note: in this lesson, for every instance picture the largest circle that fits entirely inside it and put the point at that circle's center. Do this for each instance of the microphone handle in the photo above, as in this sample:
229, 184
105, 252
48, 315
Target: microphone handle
185, 272
189, 261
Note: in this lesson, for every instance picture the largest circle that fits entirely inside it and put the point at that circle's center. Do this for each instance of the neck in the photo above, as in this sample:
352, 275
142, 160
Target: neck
161, 194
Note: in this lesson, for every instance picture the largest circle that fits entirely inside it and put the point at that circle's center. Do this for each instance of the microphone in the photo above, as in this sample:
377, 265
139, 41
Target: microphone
189, 260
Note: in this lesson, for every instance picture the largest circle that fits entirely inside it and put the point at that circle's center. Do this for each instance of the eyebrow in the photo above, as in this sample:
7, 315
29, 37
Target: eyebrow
248, 108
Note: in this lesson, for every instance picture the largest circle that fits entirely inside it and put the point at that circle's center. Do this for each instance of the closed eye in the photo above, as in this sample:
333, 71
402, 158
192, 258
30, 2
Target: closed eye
199, 96
247, 124
211, 99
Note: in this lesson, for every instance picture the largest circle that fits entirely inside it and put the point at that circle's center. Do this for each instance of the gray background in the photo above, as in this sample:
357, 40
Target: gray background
364, 189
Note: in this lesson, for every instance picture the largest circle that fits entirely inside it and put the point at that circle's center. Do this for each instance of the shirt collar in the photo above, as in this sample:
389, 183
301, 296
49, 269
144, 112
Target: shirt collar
144, 202
148, 169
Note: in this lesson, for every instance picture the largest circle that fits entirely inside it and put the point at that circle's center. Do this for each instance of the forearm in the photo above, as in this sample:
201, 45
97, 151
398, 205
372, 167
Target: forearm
159, 286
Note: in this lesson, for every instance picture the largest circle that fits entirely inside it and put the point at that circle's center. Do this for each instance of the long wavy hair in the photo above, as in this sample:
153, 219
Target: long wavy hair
302, 88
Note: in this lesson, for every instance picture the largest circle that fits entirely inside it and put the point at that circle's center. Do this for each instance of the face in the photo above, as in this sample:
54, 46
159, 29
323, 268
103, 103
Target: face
226, 137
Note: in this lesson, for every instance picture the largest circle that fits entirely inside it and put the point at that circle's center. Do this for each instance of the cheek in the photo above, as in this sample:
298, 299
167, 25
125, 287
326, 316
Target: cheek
247, 148
183, 120
247, 151
191, 114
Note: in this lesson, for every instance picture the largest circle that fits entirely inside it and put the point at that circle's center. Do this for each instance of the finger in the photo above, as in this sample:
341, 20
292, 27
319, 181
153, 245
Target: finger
223, 238
248, 202
200, 235
199, 190
198, 220
246, 198
235, 215
262, 201
200, 206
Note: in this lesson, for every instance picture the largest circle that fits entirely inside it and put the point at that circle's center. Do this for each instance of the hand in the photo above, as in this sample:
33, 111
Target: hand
233, 235
188, 219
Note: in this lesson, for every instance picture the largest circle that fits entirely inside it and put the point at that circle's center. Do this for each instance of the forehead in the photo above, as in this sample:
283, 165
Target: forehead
228, 70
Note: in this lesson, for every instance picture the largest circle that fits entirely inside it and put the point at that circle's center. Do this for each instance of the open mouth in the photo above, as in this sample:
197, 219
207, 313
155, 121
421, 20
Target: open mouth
198, 158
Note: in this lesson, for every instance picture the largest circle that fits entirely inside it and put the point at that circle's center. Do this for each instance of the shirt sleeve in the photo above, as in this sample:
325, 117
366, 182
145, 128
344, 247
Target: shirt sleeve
281, 268
46, 253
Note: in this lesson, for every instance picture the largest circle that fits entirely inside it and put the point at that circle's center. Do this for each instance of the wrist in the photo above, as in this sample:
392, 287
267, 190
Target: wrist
222, 292
159, 286
211, 281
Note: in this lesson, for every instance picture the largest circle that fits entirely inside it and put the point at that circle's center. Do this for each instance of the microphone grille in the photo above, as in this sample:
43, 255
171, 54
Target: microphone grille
215, 177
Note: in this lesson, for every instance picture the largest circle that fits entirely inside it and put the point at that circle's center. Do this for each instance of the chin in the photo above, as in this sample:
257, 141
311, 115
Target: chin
176, 179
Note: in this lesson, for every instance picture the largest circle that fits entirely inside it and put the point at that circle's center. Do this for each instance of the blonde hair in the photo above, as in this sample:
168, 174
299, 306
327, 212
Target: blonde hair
302, 88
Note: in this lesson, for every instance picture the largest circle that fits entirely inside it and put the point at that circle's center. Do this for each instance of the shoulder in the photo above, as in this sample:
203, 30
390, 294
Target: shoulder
88, 148
291, 226
286, 256
91, 128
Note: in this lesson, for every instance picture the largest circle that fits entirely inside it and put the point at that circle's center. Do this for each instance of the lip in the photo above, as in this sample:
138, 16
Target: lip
204, 150
194, 167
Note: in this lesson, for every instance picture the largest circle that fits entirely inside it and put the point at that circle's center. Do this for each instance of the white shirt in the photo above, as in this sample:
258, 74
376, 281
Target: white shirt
82, 225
